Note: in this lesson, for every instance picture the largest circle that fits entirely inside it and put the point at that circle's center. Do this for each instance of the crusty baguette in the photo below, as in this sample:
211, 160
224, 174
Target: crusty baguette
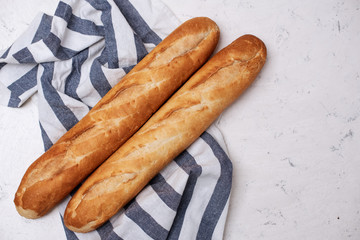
116, 117
179, 122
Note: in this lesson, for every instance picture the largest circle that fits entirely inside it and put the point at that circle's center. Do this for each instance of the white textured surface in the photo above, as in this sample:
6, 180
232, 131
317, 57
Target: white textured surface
293, 137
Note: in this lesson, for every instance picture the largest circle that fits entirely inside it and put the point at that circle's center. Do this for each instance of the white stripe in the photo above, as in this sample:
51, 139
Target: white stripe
114, 75
151, 203
125, 43
4, 94
62, 206
149, 47
62, 69
78, 108
114, 219
69, 38
219, 228
28, 93
41, 53
85, 90
58, 27
93, 235
203, 190
175, 176
51, 124
24, 39
84, 10
78, 41
154, 12
2, 53
9, 59
127, 229
12, 72
215, 132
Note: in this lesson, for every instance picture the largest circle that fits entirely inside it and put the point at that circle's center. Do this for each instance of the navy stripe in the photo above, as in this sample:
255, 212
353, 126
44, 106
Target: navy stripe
46, 140
128, 69
70, 235
113, 236
221, 192
5, 53
105, 230
145, 221
2, 65
24, 56
110, 40
23, 84
98, 4
73, 80
85, 26
44, 28
4, 56
141, 51
53, 43
189, 165
76, 23
62, 112
166, 192
63, 11
98, 79
137, 23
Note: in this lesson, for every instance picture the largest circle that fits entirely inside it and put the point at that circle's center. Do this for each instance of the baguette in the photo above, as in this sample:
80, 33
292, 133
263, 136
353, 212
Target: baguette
116, 117
178, 123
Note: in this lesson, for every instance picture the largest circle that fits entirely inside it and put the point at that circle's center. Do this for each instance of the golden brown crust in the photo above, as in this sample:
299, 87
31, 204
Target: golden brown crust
118, 115
178, 123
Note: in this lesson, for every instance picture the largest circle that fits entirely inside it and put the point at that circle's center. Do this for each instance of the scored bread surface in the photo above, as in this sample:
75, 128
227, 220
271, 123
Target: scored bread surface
116, 117
178, 123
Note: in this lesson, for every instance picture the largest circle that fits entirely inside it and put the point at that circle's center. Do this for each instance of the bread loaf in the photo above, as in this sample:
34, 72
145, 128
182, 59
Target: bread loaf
178, 123
116, 117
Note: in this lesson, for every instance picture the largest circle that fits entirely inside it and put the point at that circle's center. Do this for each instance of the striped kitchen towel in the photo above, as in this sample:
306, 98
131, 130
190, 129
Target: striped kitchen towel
71, 60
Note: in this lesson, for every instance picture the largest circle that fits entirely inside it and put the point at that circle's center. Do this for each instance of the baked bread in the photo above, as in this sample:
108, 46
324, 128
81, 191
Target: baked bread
116, 117
178, 123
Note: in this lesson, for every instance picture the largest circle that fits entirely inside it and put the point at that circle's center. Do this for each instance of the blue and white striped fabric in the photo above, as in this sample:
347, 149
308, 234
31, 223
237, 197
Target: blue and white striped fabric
71, 60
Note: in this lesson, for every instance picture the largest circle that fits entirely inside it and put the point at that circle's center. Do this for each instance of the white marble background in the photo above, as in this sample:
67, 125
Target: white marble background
293, 137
